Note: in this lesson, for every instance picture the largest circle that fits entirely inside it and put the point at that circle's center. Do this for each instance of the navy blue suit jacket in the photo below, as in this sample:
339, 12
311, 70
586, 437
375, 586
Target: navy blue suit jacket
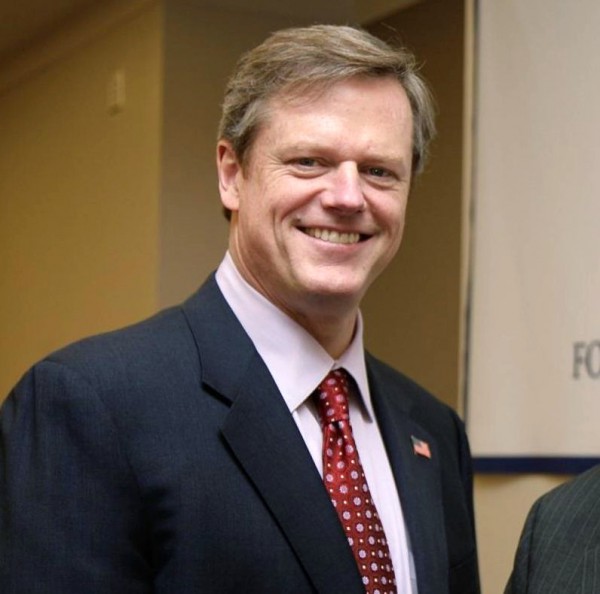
162, 459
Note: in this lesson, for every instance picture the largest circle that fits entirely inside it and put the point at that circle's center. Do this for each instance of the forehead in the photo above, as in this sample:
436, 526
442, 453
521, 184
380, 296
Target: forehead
311, 95
374, 109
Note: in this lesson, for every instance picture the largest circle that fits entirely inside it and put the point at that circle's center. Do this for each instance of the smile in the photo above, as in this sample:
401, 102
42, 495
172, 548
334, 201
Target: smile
332, 236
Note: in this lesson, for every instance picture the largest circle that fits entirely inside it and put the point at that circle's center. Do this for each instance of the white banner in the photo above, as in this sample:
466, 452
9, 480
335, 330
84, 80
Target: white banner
534, 344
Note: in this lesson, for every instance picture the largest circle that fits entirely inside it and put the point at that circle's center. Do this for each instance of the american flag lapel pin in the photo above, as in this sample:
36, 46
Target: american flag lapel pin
420, 447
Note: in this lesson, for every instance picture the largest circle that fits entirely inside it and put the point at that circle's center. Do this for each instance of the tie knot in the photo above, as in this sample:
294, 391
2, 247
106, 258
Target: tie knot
332, 397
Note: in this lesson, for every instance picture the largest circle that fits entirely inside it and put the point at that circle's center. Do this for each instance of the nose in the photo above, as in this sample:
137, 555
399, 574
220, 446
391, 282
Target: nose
345, 193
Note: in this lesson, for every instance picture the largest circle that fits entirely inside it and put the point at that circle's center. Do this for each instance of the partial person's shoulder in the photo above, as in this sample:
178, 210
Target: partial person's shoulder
574, 493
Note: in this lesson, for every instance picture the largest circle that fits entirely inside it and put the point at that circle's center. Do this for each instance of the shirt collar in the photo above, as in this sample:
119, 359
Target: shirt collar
296, 361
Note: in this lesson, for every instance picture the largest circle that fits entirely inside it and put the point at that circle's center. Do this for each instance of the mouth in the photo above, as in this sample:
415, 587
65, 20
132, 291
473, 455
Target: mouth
330, 236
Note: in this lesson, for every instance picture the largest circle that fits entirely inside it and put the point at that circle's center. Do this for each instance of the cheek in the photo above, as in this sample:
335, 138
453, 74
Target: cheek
394, 222
401, 218
257, 223
391, 215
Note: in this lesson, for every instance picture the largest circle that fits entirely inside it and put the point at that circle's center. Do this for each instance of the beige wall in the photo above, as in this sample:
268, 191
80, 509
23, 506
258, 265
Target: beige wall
412, 312
79, 191
502, 503
201, 47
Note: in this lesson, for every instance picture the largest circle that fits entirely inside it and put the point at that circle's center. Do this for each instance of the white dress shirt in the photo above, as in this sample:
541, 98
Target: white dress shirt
298, 363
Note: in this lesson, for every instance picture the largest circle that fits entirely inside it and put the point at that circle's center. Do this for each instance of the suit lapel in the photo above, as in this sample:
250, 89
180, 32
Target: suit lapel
271, 450
418, 483
268, 446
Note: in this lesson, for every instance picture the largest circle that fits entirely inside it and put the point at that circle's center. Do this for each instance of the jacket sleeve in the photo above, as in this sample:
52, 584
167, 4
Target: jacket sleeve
70, 508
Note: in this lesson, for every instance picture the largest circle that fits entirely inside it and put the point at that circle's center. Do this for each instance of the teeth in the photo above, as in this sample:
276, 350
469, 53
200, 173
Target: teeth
333, 236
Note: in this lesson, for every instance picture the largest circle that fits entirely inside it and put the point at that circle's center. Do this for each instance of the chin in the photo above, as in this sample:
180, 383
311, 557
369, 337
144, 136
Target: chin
338, 292
332, 283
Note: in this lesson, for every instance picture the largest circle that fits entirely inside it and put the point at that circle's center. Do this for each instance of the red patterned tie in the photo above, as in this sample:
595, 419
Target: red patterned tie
347, 486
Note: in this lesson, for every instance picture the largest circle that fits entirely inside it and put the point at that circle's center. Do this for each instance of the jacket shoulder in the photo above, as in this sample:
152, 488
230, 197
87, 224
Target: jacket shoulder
141, 347
575, 498
416, 399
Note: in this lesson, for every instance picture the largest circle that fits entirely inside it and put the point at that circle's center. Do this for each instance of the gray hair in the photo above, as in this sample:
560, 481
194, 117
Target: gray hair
302, 60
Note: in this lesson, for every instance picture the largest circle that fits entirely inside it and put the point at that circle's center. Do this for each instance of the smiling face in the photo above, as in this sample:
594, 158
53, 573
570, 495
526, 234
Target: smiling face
318, 208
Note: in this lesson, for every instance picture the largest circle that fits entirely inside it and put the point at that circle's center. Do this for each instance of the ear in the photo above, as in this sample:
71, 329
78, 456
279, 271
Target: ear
230, 173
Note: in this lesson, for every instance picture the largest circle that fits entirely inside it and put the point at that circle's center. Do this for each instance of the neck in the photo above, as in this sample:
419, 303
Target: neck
330, 320
334, 333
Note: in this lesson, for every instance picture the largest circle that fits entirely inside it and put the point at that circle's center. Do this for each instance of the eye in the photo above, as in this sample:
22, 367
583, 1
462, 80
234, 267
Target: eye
383, 177
378, 172
307, 167
306, 162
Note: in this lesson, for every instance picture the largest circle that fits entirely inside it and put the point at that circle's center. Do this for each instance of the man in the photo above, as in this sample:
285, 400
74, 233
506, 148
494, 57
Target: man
189, 453
559, 551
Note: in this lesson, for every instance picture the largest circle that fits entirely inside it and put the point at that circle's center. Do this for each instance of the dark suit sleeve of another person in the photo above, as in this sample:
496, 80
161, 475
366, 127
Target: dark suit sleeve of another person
559, 549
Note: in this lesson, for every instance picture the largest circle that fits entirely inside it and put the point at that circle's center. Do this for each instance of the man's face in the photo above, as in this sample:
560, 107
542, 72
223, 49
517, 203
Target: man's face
319, 207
